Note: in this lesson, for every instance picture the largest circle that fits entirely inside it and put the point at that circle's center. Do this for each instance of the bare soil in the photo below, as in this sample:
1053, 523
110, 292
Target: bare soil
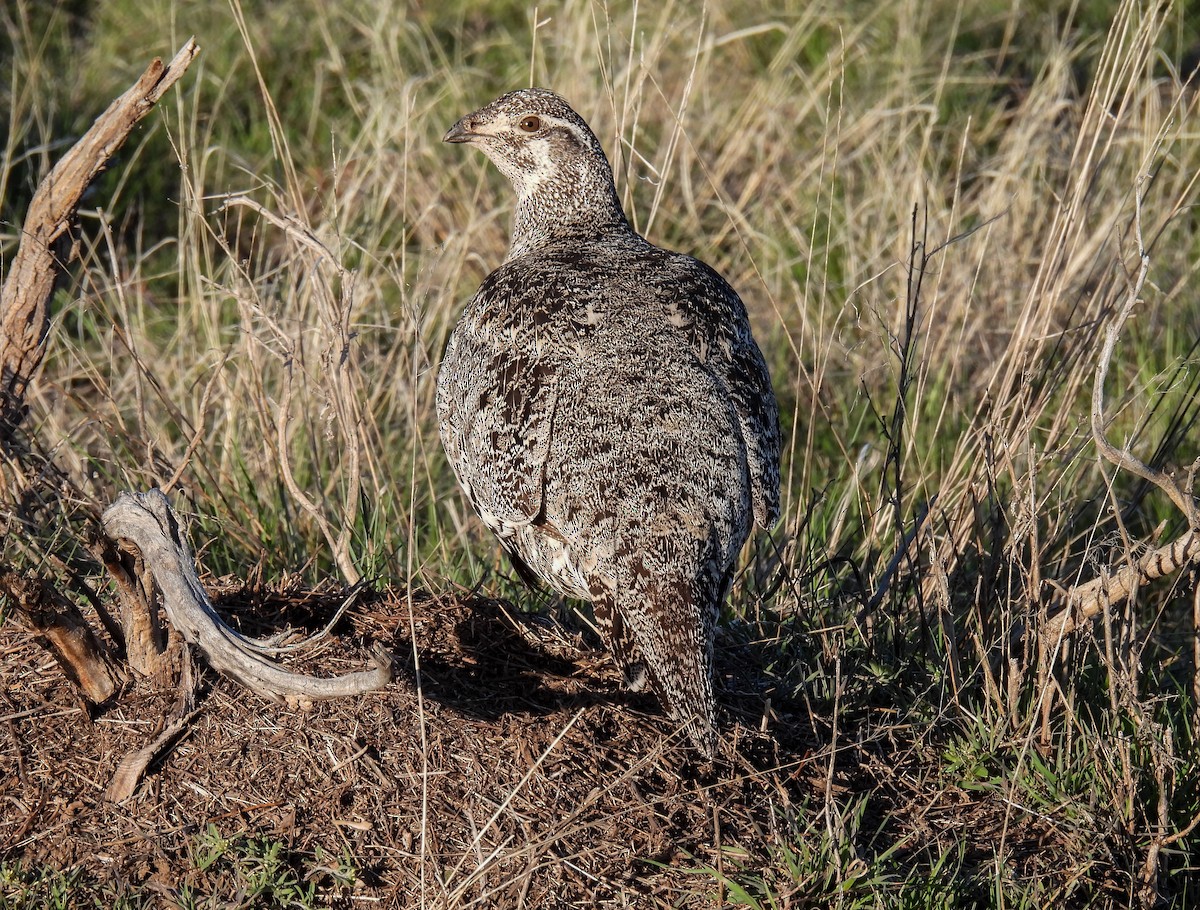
504, 766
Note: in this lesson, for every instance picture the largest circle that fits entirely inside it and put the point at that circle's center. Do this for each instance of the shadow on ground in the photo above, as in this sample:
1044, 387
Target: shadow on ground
504, 766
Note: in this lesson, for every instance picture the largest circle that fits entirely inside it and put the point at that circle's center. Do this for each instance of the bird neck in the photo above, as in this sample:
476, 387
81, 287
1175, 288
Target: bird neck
578, 205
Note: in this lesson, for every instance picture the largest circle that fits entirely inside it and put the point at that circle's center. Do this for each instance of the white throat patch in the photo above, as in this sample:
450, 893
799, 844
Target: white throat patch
542, 171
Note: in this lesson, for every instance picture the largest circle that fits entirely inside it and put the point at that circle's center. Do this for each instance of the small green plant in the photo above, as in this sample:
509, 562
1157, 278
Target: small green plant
24, 888
208, 848
251, 871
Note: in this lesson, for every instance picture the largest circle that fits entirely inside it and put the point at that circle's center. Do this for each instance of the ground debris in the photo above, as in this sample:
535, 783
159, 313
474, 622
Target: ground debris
508, 777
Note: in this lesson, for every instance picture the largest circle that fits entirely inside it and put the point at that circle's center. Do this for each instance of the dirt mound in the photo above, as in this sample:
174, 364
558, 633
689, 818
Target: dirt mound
505, 766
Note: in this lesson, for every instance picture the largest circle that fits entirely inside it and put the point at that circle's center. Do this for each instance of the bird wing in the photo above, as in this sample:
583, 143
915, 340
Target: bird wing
496, 407
758, 415
508, 437
714, 318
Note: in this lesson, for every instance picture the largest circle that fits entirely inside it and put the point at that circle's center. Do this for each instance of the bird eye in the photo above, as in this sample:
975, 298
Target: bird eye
531, 124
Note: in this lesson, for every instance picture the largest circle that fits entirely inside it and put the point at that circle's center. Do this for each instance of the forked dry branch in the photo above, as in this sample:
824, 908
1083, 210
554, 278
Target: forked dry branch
24, 301
156, 563
147, 521
1085, 601
24, 323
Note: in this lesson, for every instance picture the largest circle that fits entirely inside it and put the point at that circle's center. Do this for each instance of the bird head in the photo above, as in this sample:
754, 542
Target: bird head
536, 140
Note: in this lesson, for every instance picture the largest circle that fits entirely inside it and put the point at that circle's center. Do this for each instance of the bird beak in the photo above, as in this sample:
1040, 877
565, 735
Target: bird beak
461, 131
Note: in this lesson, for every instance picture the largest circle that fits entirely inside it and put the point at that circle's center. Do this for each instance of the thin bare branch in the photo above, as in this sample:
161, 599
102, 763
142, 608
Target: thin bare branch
1087, 600
1121, 457
133, 766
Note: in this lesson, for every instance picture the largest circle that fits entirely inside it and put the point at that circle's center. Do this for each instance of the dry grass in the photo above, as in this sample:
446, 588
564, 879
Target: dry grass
270, 357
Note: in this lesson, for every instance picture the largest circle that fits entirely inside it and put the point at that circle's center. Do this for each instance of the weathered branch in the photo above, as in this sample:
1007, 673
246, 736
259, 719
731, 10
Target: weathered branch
24, 300
1084, 601
1123, 458
84, 658
148, 523
1087, 600
133, 766
147, 642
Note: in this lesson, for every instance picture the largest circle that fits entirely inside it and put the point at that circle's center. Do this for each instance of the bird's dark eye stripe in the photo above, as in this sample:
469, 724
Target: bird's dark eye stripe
531, 124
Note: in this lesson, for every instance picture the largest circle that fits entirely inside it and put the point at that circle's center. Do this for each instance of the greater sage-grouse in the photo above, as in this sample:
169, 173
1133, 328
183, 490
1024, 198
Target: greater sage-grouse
606, 408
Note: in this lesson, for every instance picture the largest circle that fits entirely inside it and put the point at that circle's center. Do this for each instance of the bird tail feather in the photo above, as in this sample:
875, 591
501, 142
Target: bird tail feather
671, 621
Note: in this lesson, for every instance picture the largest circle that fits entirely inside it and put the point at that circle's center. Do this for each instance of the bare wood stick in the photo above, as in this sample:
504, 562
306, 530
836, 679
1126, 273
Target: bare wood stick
133, 766
147, 643
1086, 600
1123, 458
24, 309
83, 657
147, 521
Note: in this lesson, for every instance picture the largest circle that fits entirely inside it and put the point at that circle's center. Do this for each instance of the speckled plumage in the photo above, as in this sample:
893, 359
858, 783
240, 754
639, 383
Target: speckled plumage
606, 409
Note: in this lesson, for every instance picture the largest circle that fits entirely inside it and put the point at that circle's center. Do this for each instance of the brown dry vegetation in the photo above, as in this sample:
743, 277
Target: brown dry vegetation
265, 350
521, 774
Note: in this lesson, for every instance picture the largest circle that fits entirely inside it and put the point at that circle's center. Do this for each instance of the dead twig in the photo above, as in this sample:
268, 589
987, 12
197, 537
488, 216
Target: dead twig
24, 300
1084, 601
148, 523
1123, 458
133, 766
84, 658
148, 644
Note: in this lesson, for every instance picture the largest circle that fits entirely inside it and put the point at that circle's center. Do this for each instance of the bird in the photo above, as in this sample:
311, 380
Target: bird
606, 409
